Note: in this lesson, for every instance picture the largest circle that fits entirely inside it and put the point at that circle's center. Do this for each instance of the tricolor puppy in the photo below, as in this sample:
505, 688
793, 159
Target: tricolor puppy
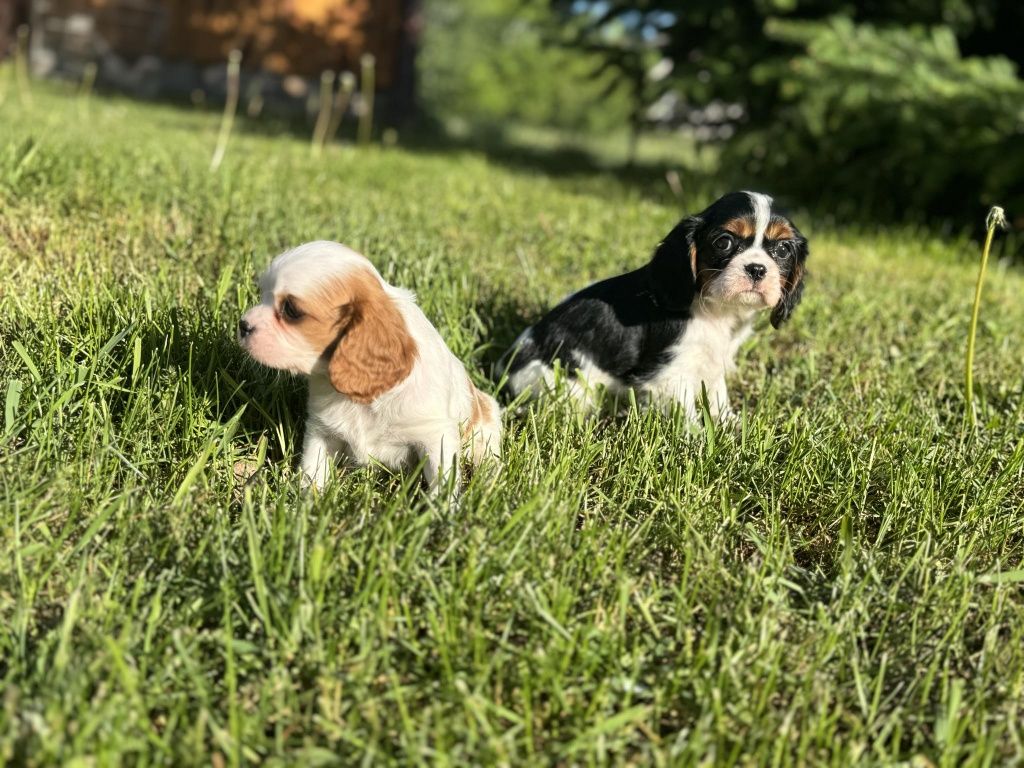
382, 382
672, 328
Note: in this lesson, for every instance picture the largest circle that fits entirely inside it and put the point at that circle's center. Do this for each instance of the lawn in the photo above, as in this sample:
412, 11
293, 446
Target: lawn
837, 580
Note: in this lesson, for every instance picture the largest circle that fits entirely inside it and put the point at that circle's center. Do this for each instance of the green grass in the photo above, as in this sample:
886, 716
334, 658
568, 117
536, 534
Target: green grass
839, 581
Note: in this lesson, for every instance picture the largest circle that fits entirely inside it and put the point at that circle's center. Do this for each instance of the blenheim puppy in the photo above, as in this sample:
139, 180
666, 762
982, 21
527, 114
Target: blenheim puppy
382, 382
671, 329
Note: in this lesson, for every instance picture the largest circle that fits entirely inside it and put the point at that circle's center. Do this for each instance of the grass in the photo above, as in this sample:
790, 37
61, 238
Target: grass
837, 581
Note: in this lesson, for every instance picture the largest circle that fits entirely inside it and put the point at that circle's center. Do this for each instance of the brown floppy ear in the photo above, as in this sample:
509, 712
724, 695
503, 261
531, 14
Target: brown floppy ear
793, 285
374, 351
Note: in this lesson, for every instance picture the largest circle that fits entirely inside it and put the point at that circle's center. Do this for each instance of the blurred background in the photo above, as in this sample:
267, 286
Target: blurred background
869, 110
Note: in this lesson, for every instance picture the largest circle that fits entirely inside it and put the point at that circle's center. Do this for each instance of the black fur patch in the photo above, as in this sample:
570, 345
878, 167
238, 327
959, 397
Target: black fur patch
627, 324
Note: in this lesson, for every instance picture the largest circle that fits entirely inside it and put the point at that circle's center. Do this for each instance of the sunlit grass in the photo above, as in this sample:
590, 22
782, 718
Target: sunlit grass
833, 581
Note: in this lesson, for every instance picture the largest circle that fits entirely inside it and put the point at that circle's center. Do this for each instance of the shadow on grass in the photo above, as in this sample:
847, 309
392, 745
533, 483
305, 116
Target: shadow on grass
222, 379
505, 319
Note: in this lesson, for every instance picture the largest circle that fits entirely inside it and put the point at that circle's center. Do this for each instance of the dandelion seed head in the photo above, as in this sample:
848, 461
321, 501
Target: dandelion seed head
996, 218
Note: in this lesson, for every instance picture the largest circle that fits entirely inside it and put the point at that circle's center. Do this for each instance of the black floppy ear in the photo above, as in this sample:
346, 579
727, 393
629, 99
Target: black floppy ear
674, 266
792, 284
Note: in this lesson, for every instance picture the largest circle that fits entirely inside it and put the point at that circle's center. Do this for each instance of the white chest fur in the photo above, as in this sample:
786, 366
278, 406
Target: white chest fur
364, 431
703, 356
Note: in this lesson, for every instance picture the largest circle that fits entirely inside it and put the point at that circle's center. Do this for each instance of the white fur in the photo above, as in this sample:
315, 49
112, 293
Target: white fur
762, 204
538, 378
701, 359
421, 418
733, 286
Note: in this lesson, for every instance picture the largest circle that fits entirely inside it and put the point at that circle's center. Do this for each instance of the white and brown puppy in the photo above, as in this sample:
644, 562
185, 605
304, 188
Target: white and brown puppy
382, 383
670, 330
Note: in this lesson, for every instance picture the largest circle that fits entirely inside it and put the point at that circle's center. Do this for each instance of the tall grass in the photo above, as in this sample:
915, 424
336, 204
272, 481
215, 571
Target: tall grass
834, 580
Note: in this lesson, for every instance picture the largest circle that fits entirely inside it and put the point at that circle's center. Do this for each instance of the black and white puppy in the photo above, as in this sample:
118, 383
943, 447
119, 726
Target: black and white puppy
671, 329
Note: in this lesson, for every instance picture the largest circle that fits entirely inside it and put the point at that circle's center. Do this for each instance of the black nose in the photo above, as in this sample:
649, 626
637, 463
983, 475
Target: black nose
756, 271
244, 329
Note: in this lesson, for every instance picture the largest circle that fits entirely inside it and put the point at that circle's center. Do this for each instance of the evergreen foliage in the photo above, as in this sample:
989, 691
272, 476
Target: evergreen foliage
895, 114
895, 108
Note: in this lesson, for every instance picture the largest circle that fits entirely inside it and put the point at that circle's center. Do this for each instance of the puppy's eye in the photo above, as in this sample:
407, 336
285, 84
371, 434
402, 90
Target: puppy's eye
723, 243
782, 250
289, 310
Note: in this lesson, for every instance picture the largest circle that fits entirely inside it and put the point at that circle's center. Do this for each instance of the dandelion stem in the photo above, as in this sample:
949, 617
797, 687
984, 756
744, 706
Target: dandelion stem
995, 218
368, 63
85, 90
323, 117
234, 70
346, 86
21, 66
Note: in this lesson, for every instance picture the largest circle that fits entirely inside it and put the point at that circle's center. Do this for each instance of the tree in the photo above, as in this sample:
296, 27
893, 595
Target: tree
714, 45
852, 97
491, 62
895, 114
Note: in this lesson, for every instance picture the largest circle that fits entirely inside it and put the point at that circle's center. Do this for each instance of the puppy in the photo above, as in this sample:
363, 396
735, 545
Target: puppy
382, 382
671, 329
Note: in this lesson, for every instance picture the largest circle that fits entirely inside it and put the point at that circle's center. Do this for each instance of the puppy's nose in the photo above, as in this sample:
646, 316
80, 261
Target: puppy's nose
244, 329
756, 271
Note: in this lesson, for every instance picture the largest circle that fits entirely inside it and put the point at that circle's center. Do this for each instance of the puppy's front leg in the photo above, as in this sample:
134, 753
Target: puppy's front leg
718, 402
442, 462
677, 394
319, 454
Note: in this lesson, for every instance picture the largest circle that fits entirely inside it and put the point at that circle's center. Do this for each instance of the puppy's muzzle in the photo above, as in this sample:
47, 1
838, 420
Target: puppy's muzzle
244, 329
756, 271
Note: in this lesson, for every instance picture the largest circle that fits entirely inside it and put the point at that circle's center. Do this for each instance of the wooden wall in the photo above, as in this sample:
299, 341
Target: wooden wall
301, 37
12, 14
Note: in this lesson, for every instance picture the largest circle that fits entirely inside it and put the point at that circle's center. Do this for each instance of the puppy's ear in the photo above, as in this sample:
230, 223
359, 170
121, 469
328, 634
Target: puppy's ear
374, 351
674, 266
792, 284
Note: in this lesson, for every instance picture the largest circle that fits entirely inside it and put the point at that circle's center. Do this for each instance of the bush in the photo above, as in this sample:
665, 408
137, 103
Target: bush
893, 121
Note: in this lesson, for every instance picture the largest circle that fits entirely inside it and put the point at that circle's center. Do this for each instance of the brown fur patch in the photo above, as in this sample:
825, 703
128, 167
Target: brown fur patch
790, 283
778, 229
482, 413
741, 227
359, 327
794, 278
693, 260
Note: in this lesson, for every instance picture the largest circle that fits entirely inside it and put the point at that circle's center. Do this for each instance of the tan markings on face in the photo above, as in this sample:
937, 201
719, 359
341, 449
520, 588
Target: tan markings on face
482, 413
362, 332
741, 227
778, 229
324, 315
693, 260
